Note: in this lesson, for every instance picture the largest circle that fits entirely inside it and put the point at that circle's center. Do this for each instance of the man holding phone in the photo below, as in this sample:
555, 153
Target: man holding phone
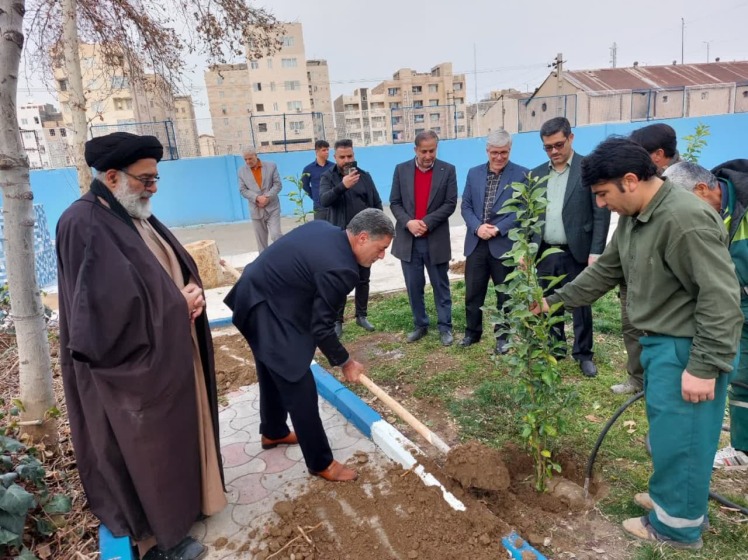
345, 190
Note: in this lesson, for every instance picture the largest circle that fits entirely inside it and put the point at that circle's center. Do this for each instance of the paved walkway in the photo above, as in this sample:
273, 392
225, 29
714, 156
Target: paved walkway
256, 479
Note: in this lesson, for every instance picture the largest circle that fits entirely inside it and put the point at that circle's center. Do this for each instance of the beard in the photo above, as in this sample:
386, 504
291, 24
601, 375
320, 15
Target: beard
137, 204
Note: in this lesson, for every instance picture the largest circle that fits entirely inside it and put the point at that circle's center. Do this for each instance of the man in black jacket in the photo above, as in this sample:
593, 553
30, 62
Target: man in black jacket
345, 190
285, 305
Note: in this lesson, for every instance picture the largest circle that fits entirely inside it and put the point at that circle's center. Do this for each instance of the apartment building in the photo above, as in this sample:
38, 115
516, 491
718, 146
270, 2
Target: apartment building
363, 117
271, 103
185, 124
116, 102
43, 136
207, 143
417, 101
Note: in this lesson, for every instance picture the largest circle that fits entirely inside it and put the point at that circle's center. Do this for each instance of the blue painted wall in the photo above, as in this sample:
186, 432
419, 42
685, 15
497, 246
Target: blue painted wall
205, 190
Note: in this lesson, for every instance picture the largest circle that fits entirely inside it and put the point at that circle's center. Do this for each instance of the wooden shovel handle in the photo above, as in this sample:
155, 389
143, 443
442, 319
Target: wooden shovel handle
398, 409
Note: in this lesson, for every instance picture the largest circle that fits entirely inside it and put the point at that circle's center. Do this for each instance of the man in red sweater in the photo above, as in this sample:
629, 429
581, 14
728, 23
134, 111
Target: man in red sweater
423, 197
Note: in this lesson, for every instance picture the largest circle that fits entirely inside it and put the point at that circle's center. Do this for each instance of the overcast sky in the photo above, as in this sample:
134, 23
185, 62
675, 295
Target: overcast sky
513, 40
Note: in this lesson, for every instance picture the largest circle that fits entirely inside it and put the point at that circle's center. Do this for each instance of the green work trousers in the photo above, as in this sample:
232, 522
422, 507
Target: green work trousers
684, 438
631, 337
739, 395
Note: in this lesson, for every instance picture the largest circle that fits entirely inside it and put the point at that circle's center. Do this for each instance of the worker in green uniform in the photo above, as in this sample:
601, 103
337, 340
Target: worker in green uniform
726, 190
671, 250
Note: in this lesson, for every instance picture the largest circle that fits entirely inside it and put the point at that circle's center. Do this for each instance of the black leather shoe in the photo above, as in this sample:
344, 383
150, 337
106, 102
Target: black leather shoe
502, 347
417, 334
468, 341
447, 338
188, 549
364, 323
338, 329
588, 368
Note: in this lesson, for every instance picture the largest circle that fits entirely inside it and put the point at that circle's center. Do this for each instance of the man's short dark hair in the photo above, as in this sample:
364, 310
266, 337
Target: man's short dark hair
425, 135
656, 136
613, 158
319, 144
374, 222
344, 143
555, 125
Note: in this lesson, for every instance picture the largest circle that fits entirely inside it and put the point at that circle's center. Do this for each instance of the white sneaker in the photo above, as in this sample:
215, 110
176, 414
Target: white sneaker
625, 388
730, 457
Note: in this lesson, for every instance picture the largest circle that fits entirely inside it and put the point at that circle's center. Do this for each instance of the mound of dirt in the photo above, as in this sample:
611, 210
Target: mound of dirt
389, 515
235, 366
476, 466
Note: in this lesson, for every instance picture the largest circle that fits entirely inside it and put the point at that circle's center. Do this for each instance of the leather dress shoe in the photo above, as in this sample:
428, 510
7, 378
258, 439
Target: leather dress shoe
188, 549
468, 341
336, 472
364, 323
338, 329
290, 439
588, 368
502, 347
446, 338
417, 334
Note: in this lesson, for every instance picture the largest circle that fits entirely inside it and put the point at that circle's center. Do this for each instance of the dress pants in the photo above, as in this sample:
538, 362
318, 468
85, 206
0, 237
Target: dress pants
631, 336
362, 294
269, 224
684, 438
321, 213
480, 265
280, 398
415, 281
558, 264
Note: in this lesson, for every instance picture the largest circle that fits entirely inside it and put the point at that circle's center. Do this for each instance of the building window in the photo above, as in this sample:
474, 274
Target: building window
664, 98
417, 89
418, 131
288, 62
122, 103
433, 88
270, 63
219, 80
262, 127
120, 82
294, 85
63, 84
24, 121
460, 115
275, 107
257, 86
457, 86
393, 91
437, 129
272, 86
277, 126
265, 143
434, 117
417, 103
396, 120
260, 107
433, 102
461, 128
224, 110
396, 105
418, 118
704, 95
51, 131
294, 105
288, 41
296, 125
254, 65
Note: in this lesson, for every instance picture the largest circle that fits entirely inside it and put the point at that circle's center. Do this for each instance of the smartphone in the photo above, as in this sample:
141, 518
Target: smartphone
350, 167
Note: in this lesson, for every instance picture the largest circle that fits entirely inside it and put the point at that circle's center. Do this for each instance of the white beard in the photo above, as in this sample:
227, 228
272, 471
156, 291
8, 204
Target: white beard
137, 204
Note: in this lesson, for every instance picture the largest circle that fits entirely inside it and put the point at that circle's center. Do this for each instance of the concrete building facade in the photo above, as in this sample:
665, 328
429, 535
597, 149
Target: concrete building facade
43, 136
185, 124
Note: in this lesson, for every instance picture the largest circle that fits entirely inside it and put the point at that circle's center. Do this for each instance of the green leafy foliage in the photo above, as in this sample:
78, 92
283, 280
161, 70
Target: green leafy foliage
26, 504
539, 395
695, 143
297, 196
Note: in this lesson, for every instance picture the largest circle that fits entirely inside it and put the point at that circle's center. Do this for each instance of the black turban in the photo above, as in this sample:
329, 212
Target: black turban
120, 149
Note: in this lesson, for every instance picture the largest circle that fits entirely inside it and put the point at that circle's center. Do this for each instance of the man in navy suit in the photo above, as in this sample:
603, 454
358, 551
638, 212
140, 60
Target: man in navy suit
423, 197
285, 304
575, 225
486, 190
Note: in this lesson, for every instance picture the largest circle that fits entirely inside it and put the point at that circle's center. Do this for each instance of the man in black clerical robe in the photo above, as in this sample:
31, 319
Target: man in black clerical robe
136, 357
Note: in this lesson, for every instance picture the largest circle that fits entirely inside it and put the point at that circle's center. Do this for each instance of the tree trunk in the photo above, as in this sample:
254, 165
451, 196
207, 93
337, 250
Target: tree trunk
76, 100
27, 311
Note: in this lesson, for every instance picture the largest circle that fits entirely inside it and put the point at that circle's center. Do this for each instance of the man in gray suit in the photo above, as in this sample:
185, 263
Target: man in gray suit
423, 197
575, 225
259, 182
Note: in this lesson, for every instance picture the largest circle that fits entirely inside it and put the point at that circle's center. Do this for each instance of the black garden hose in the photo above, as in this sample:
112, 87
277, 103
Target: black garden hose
591, 461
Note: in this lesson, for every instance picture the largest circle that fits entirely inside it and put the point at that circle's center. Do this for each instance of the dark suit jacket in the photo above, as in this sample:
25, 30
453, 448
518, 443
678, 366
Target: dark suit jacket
473, 200
343, 202
585, 224
441, 205
296, 286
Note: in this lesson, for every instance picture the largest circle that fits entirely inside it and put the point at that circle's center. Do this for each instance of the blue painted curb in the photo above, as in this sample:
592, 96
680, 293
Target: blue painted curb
358, 413
220, 323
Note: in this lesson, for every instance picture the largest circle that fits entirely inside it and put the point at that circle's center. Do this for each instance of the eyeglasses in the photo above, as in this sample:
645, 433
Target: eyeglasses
557, 146
147, 181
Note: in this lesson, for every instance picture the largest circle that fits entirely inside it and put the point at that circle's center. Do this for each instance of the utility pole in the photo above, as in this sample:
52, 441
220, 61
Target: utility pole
707, 50
682, 38
613, 55
558, 64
